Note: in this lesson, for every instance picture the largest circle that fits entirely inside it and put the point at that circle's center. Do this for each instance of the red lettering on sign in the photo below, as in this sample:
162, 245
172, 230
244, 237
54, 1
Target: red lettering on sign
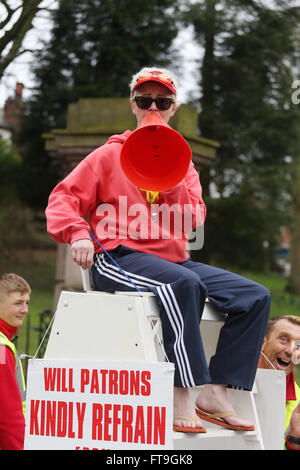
56, 418
42, 419
124, 382
51, 418
34, 408
56, 379
107, 422
80, 414
97, 421
103, 373
116, 421
134, 382
62, 416
71, 433
85, 378
113, 382
94, 382
127, 416
49, 378
145, 379
159, 427
149, 424
139, 431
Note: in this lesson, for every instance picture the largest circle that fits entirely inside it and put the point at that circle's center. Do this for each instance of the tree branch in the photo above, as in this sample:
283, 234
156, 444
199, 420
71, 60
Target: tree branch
9, 13
17, 33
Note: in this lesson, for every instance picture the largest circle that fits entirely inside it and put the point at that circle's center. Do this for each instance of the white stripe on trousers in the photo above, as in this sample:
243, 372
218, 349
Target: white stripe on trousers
170, 304
176, 321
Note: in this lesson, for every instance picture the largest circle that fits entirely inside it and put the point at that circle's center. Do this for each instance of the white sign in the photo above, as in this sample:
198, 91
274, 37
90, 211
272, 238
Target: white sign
99, 405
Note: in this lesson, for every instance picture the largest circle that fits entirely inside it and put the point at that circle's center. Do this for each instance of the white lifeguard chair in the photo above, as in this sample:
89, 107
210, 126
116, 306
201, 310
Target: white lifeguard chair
126, 325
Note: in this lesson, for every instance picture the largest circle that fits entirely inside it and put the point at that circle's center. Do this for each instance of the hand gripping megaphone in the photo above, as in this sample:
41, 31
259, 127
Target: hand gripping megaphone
155, 157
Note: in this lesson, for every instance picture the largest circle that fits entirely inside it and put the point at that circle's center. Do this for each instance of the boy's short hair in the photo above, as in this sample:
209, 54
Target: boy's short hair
11, 282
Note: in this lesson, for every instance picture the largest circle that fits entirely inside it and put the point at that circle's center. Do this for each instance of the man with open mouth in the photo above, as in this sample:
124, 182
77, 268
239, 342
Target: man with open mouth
281, 351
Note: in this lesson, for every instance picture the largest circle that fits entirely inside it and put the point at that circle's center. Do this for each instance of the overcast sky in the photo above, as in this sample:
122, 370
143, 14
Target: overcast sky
19, 70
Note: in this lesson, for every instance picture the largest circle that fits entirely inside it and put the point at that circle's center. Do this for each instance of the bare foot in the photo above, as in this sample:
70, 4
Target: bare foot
213, 399
185, 407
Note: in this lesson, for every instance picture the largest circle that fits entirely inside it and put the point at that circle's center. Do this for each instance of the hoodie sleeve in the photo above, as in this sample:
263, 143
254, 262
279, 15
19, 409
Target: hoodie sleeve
194, 188
79, 193
70, 200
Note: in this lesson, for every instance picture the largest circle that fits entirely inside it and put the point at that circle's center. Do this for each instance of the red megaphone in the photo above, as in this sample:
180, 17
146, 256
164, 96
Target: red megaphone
155, 156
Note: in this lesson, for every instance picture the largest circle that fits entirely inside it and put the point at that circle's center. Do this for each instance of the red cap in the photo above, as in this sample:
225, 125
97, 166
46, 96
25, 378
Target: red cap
155, 76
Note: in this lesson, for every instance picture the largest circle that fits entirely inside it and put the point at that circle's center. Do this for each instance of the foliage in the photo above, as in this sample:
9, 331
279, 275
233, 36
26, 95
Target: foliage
246, 78
9, 165
95, 48
241, 234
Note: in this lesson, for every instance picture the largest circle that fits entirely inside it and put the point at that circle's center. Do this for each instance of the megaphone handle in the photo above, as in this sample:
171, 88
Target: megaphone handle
151, 196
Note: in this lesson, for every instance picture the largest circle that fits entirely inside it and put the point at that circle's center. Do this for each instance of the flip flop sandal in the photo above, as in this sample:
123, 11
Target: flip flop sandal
218, 419
188, 428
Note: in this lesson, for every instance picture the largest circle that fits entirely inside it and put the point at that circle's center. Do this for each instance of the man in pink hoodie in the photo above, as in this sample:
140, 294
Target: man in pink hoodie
127, 224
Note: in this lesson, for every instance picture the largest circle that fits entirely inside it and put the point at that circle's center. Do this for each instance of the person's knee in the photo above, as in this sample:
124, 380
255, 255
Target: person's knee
190, 281
263, 295
263, 292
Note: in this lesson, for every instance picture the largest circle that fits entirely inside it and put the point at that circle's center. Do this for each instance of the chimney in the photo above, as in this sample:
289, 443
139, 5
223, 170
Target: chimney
14, 108
19, 90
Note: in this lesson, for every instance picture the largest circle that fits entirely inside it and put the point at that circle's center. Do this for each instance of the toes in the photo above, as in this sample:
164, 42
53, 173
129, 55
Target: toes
187, 422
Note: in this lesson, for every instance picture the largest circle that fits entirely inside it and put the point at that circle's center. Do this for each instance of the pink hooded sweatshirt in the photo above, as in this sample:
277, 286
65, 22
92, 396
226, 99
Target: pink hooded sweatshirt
97, 196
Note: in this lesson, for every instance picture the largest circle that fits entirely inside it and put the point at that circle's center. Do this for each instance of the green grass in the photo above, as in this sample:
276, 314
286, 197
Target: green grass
38, 268
282, 302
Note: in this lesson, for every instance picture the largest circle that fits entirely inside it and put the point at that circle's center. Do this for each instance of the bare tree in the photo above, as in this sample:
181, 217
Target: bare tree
16, 20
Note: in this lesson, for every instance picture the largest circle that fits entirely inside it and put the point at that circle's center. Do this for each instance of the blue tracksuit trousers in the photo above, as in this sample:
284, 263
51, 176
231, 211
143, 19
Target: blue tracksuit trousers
181, 290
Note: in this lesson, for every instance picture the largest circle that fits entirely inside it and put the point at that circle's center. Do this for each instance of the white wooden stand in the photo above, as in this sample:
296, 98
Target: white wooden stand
126, 326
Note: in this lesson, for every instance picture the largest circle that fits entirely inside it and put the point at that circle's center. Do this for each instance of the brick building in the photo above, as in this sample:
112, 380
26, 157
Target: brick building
10, 114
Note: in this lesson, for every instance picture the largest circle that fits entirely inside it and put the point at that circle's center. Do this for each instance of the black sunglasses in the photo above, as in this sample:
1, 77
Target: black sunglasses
144, 102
